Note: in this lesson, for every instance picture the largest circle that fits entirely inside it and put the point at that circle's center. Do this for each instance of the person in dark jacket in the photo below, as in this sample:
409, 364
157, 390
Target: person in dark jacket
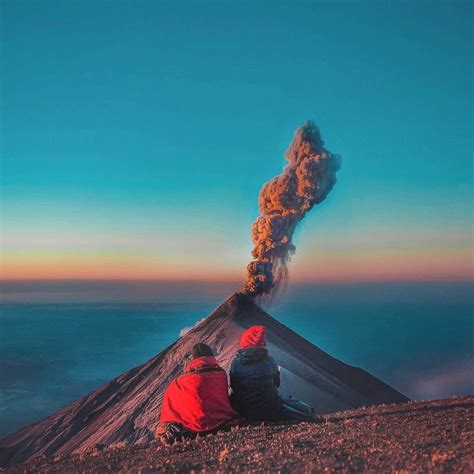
254, 379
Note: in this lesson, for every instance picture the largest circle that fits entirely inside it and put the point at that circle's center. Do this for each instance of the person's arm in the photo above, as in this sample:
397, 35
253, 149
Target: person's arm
275, 372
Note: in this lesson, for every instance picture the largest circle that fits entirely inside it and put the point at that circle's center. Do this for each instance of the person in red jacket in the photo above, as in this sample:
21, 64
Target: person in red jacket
196, 402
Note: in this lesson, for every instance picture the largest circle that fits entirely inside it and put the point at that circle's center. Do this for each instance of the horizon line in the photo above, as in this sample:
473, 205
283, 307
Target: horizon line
223, 281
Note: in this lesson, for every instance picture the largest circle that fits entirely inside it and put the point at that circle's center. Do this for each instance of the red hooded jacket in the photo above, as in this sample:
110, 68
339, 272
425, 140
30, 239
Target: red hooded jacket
199, 399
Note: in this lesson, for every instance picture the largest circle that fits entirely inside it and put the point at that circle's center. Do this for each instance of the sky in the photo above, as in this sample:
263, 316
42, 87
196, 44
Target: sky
135, 136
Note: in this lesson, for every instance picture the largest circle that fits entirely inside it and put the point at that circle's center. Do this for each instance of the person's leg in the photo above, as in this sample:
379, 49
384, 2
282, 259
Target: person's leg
289, 414
171, 433
297, 410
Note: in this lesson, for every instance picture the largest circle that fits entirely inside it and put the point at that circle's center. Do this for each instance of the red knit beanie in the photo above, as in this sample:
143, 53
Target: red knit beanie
254, 336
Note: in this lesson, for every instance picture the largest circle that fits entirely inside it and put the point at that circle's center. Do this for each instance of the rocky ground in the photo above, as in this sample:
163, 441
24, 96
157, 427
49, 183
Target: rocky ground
435, 436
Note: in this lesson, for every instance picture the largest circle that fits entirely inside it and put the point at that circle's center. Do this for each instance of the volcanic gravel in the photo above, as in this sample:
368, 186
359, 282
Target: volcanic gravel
434, 436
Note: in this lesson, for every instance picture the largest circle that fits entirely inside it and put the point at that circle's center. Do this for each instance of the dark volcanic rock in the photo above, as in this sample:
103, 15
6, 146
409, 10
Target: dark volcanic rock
126, 410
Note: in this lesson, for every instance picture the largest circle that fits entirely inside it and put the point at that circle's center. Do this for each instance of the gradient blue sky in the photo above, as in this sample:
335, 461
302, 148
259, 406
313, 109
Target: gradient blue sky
136, 135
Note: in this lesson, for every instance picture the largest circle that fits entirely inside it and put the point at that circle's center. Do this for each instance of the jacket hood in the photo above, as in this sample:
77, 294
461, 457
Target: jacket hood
254, 336
252, 354
200, 362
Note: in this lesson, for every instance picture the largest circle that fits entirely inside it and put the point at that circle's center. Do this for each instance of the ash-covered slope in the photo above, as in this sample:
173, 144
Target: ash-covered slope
127, 408
422, 437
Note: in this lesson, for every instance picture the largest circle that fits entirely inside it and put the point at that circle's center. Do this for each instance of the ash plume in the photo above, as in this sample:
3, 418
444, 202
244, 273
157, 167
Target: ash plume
283, 202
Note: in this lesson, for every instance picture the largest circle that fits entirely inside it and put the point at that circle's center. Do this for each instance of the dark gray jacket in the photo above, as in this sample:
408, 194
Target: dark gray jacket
254, 378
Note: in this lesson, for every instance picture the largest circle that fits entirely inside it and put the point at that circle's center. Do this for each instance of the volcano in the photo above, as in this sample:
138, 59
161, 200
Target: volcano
126, 409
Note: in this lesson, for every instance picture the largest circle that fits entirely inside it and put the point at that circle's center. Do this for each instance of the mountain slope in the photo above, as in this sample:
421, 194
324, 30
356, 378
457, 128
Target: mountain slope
127, 408
434, 436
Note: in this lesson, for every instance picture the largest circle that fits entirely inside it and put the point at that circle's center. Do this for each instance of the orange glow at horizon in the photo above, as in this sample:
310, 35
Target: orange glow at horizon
389, 264
327, 266
105, 267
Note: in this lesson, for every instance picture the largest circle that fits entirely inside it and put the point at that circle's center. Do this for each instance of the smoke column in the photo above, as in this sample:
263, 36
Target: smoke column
283, 202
